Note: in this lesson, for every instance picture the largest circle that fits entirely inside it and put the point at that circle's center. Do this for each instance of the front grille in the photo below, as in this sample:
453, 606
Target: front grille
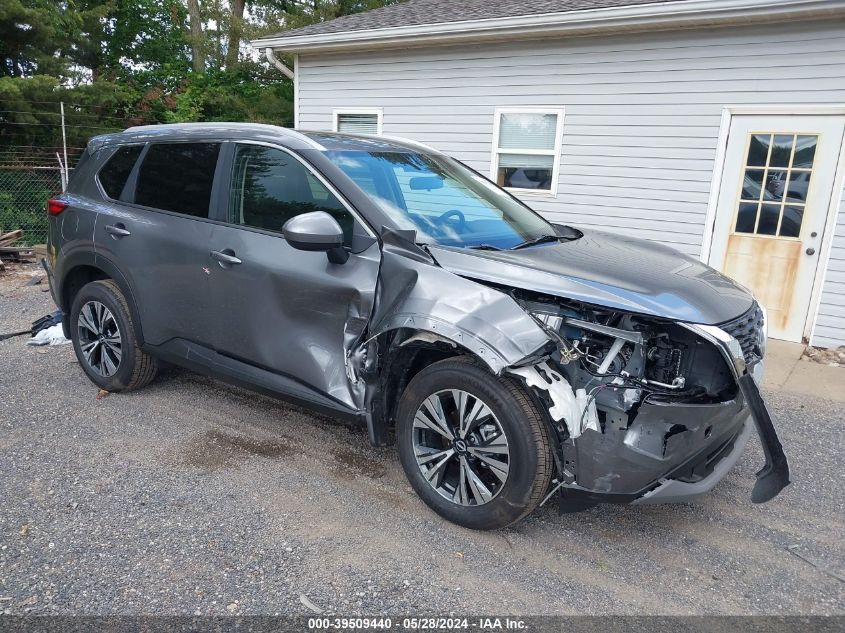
746, 329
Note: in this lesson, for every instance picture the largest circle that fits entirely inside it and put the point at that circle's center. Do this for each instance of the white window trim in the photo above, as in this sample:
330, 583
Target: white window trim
377, 111
494, 159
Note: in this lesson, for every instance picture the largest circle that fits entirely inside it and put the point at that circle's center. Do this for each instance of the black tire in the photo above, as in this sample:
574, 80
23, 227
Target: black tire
135, 368
530, 460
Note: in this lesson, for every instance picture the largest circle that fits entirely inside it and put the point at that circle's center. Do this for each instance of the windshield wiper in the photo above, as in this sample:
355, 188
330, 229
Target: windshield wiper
484, 247
537, 240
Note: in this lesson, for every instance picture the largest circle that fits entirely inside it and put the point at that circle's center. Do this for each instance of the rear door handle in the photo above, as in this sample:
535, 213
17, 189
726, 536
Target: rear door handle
117, 230
226, 256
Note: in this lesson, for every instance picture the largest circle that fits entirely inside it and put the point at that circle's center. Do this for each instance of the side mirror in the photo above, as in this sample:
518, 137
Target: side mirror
316, 231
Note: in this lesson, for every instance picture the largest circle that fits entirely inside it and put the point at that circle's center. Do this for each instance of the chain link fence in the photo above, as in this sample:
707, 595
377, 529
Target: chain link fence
24, 192
29, 176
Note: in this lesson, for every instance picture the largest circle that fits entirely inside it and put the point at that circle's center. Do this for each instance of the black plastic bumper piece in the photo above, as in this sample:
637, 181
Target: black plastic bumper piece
774, 476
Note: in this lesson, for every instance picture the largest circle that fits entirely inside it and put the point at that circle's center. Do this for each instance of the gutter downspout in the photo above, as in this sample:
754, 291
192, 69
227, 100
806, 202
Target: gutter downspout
287, 72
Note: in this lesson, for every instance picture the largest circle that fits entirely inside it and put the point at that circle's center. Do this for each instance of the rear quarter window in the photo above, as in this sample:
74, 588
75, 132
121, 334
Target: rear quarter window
178, 177
115, 172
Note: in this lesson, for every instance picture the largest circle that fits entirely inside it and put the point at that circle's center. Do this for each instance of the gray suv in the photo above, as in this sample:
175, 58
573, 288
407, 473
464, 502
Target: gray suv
377, 280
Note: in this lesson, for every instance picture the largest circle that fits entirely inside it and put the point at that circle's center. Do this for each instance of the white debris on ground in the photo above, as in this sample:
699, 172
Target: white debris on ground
53, 335
832, 357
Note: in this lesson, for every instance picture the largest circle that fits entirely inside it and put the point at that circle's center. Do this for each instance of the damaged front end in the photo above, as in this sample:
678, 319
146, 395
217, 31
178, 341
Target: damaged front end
648, 410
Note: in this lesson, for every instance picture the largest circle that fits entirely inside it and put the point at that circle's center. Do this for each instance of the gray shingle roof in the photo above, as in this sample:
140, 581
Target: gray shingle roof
418, 12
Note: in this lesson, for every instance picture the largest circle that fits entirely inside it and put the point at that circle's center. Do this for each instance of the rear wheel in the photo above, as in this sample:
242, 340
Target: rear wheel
104, 339
473, 445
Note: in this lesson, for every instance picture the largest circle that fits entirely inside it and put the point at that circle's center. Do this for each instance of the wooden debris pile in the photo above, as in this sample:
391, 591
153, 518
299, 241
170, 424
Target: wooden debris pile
10, 252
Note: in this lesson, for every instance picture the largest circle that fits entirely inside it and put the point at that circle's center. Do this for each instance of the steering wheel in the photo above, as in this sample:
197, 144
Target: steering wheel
461, 222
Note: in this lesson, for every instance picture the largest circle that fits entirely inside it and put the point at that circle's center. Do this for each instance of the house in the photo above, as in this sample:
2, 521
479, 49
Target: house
715, 126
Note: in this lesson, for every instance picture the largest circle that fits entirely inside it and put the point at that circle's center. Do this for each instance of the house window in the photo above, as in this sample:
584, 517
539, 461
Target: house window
526, 149
358, 121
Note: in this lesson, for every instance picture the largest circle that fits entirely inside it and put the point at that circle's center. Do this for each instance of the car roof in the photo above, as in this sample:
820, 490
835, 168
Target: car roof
293, 139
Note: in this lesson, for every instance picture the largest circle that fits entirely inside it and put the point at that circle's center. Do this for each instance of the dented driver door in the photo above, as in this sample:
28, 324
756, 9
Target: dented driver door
287, 311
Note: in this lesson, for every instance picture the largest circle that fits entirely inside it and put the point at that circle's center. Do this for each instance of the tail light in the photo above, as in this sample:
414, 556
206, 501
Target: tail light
55, 207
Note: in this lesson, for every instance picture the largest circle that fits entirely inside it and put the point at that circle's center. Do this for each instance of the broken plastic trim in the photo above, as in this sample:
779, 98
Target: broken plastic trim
774, 475
565, 404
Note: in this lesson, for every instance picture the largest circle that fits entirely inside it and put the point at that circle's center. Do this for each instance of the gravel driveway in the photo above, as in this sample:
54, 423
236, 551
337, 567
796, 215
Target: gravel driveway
193, 497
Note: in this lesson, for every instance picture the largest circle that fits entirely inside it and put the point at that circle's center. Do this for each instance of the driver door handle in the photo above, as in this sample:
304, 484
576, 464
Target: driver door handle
226, 256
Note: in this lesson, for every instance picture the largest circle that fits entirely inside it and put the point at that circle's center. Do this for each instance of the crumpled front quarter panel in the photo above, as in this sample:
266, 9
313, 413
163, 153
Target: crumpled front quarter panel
419, 295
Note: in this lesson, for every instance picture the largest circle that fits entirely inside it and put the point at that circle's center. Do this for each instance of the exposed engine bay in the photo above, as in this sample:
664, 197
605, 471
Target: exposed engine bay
641, 394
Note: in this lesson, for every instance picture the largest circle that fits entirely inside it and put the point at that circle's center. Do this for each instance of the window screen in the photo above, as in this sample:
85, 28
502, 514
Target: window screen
178, 177
270, 186
526, 150
357, 123
113, 176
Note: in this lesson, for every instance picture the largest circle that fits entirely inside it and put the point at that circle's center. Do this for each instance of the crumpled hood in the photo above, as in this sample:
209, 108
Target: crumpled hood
609, 270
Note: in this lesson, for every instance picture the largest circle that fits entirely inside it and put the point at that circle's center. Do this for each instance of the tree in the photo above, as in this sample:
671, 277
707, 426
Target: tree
32, 32
236, 29
196, 38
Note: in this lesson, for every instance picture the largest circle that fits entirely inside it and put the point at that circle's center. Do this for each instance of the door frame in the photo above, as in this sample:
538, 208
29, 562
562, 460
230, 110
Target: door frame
826, 243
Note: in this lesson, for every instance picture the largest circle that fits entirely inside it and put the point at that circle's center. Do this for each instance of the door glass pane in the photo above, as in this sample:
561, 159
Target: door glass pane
805, 151
799, 183
768, 223
270, 186
777, 172
790, 224
752, 184
781, 150
758, 149
775, 185
747, 217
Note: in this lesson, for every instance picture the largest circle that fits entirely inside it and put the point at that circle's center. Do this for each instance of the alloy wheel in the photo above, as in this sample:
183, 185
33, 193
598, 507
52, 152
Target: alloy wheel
99, 338
460, 447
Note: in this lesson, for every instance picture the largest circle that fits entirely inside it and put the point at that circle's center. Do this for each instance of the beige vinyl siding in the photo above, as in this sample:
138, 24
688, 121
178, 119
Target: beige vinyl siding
641, 124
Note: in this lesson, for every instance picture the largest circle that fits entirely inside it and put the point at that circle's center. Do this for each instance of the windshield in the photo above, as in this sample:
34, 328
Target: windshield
442, 200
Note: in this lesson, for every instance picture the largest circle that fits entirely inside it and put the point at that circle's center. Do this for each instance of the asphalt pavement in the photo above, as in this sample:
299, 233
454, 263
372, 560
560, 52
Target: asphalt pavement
194, 497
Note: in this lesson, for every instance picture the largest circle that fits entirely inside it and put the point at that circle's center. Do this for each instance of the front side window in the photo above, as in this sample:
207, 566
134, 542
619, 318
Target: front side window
527, 149
115, 173
178, 177
269, 187
441, 199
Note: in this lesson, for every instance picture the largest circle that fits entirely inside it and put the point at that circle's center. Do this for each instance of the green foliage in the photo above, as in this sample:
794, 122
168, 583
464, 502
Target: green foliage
250, 92
23, 195
116, 63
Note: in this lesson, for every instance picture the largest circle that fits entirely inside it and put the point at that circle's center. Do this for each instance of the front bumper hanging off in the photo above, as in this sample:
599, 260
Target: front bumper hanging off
635, 466
774, 476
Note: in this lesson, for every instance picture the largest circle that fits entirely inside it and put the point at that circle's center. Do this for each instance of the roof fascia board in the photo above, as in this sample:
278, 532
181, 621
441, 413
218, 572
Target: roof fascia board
625, 18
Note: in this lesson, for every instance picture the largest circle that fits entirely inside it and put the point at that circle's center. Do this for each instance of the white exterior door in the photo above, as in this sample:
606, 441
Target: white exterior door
773, 206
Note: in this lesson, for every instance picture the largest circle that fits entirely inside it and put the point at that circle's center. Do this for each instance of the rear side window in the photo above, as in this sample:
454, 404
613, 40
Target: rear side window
178, 177
114, 175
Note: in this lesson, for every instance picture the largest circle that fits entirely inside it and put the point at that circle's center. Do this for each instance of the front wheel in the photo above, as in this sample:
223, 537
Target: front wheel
473, 445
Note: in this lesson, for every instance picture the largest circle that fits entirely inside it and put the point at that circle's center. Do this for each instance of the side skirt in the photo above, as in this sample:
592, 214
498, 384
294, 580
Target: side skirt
209, 362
